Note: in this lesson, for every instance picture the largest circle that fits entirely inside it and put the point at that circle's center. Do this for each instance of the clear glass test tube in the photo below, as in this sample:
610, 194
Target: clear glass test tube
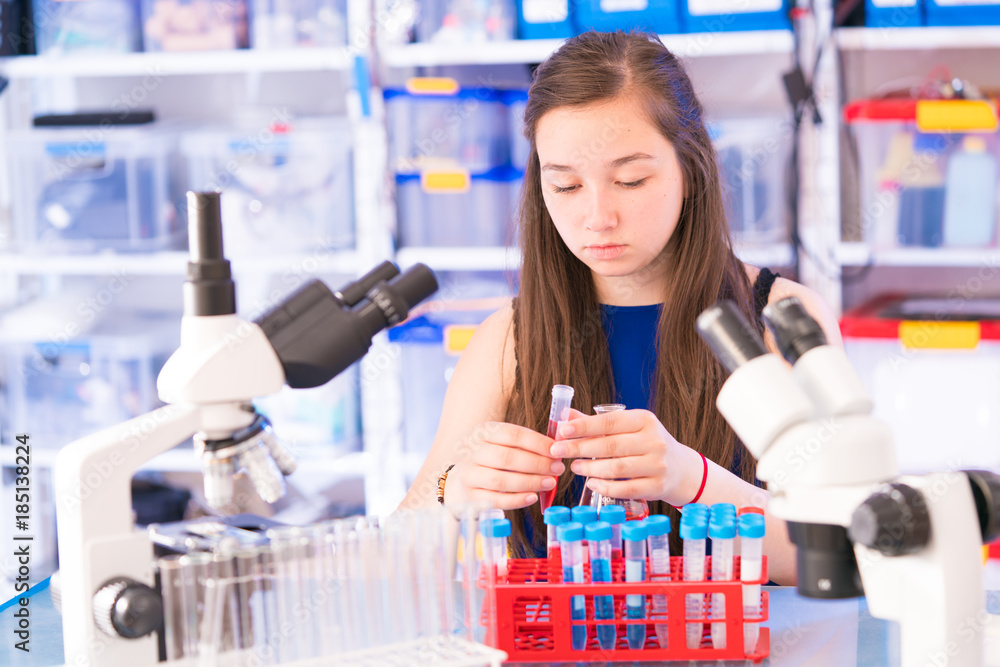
722, 531
199, 568
634, 534
179, 613
293, 641
694, 532
599, 544
751, 530
562, 397
658, 538
571, 546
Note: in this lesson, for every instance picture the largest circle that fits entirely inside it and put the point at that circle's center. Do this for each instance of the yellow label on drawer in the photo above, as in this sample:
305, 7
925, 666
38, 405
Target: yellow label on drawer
457, 337
956, 116
431, 85
939, 335
454, 181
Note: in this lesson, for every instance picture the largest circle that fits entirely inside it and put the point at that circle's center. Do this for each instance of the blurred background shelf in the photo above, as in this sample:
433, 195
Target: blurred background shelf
174, 263
859, 254
923, 38
536, 50
179, 63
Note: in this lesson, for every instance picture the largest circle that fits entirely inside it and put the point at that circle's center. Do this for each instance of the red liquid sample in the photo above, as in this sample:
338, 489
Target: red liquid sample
636, 514
546, 497
616, 554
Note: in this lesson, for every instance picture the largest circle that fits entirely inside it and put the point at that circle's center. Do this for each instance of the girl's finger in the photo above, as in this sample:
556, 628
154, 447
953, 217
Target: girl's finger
512, 459
504, 501
502, 481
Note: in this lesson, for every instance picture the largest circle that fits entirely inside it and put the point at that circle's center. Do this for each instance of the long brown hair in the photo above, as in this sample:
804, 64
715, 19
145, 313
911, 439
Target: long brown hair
559, 338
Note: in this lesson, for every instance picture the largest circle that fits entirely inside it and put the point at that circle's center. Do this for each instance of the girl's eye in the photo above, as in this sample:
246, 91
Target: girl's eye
633, 184
557, 189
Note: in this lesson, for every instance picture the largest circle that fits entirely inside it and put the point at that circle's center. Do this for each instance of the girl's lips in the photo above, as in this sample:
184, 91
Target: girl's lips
605, 251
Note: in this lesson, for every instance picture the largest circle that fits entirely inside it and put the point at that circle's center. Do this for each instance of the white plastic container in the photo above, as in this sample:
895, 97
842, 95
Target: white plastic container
283, 189
466, 21
283, 24
457, 209
468, 128
60, 390
753, 156
932, 367
904, 153
195, 25
94, 188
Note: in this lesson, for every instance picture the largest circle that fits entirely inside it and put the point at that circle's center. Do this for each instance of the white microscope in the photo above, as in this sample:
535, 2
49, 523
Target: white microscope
110, 607
911, 544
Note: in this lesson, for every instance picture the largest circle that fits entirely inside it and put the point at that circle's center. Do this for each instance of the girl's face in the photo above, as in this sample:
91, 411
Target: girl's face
613, 187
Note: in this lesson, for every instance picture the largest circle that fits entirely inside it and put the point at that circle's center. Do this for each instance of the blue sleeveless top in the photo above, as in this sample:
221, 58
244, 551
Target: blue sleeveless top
631, 333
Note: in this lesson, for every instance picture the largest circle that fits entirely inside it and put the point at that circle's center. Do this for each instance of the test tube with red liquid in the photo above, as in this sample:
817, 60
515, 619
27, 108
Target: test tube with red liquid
562, 396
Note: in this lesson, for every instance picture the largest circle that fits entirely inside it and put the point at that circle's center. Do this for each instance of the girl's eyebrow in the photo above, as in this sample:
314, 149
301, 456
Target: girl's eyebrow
613, 164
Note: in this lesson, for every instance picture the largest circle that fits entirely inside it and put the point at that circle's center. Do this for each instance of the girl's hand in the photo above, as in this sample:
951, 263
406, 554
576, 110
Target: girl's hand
506, 468
635, 456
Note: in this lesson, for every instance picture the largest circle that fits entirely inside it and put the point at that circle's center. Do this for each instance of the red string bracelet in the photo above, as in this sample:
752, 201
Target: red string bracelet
704, 479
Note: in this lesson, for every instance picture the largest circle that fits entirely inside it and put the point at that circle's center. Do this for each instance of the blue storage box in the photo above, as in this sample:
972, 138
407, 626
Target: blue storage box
894, 13
461, 21
456, 208
464, 127
733, 15
659, 16
517, 100
544, 19
962, 12
283, 24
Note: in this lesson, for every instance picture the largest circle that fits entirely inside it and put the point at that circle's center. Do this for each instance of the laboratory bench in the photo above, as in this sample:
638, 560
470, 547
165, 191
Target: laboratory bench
837, 633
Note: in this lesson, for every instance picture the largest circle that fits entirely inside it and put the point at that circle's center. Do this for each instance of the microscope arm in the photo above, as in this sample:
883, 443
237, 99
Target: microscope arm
97, 539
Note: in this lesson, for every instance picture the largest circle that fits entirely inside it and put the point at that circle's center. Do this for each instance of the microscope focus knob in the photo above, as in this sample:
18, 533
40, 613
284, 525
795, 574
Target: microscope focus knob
127, 608
893, 521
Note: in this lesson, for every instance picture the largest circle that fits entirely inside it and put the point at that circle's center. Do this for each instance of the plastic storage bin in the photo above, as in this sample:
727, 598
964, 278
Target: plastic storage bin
326, 418
288, 188
927, 171
544, 19
286, 24
932, 367
457, 209
58, 391
465, 21
195, 25
753, 157
962, 12
659, 16
90, 189
430, 346
728, 15
894, 13
462, 127
63, 26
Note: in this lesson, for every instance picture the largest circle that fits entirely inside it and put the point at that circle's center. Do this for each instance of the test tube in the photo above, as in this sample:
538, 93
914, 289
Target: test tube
658, 537
634, 533
398, 554
286, 550
584, 514
694, 531
599, 543
178, 607
571, 545
495, 534
615, 516
555, 517
562, 396
751, 529
722, 530
198, 566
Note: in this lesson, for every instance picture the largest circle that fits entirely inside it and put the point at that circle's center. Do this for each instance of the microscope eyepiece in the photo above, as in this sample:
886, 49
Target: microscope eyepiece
209, 289
795, 331
729, 335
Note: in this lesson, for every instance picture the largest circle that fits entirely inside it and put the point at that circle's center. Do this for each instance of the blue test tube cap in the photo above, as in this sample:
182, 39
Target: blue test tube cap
597, 531
751, 525
557, 515
495, 527
635, 531
613, 514
570, 532
722, 527
694, 526
584, 514
695, 508
723, 509
657, 524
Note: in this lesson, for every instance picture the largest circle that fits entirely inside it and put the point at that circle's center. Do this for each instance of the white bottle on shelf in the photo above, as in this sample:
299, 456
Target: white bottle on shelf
970, 195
